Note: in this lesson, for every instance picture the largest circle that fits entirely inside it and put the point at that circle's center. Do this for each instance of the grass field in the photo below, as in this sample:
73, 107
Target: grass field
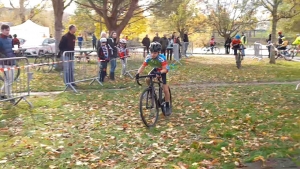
219, 127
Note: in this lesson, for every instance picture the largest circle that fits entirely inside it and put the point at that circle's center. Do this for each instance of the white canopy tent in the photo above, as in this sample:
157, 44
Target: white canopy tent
29, 30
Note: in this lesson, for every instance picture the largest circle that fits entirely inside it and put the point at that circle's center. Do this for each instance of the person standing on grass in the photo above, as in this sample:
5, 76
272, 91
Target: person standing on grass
146, 43
244, 41
67, 43
112, 42
164, 44
269, 45
94, 41
227, 45
170, 48
185, 42
6, 51
104, 52
156, 38
80, 41
16, 40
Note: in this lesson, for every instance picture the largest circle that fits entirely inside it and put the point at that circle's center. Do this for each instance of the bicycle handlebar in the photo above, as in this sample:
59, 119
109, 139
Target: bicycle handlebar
147, 76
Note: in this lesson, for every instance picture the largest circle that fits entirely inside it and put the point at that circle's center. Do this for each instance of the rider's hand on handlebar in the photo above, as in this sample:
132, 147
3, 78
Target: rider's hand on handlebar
158, 74
137, 76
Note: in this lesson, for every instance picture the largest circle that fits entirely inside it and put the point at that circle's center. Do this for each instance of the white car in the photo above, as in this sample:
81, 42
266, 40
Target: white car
37, 47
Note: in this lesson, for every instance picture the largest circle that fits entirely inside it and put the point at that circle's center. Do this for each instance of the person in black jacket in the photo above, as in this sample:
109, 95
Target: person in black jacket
146, 43
164, 44
67, 44
269, 45
227, 45
112, 42
156, 38
104, 52
185, 42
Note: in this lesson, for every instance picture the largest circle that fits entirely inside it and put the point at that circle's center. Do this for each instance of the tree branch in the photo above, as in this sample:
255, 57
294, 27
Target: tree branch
11, 4
68, 4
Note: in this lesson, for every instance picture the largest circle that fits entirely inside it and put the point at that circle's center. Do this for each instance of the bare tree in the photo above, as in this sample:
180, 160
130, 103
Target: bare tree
228, 17
58, 7
23, 4
278, 11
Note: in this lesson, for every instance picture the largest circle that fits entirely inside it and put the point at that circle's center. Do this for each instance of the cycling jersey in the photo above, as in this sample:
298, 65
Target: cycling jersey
159, 62
297, 41
236, 42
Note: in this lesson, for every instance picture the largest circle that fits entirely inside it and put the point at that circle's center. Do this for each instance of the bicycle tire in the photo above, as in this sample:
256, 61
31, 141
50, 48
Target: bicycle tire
204, 50
162, 106
16, 74
238, 62
217, 50
48, 65
147, 92
38, 60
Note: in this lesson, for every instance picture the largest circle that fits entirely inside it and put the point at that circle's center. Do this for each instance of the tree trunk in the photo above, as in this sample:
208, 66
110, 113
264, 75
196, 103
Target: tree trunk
273, 37
58, 8
22, 11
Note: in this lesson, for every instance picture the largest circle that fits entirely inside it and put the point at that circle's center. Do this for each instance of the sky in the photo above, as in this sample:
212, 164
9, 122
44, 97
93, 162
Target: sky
32, 3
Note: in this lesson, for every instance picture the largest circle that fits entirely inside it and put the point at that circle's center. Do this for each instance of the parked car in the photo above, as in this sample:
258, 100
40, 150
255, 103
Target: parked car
37, 47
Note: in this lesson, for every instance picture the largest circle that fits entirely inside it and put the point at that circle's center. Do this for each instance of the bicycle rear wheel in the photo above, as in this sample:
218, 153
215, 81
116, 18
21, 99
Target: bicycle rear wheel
48, 64
216, 50
148, 112
38, 60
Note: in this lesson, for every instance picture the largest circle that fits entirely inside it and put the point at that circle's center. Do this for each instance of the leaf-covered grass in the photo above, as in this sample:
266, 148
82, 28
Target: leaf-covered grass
193, 71
97, 129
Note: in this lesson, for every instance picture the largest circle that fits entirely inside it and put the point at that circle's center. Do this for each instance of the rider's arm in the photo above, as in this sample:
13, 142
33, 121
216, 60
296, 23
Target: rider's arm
141, 69
164, 69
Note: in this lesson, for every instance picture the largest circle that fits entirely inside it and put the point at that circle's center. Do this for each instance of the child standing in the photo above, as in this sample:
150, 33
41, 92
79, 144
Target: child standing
123, 54
104, 53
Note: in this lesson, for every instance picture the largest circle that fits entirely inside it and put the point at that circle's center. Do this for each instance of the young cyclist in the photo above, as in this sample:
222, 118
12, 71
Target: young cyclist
123, 54
236, 45
212, 44
297, 41
161, 68
104, 52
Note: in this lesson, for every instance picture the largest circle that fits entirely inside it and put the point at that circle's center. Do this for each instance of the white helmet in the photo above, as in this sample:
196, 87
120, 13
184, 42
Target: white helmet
103, 40
123, 41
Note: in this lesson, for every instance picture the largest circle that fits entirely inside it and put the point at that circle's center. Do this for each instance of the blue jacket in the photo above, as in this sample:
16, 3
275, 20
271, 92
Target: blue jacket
6, 51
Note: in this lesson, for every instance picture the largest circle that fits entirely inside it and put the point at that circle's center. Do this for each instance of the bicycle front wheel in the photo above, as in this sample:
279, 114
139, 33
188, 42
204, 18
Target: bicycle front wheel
149, 112
216, 50
48, 64
238, 61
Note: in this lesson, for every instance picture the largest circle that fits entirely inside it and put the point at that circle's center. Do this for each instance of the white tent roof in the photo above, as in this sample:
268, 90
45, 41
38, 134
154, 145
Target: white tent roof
30, 29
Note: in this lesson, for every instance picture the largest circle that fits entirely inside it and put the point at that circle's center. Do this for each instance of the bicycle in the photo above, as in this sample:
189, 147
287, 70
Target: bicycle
152, 102
239, 59
295, 49
206, 49
44, 62
286, 54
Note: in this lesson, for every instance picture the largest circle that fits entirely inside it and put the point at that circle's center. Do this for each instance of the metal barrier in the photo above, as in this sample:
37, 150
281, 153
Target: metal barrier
258, 51
75, 72
187, 49
176, 53
131, 64
15, 80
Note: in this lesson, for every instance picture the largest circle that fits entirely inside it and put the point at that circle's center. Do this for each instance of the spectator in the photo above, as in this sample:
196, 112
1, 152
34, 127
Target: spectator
112, 42
67, 43
227, 45
9, 36
244, 42
146, 43
80, 41
185, 42
164, 44
104, 52
51, 36
170, 48
126, 38
94, 40
102, 35
173, 35
123, 54
176, 40
16, 41
156, 38
280, 36
269, 45
6, 51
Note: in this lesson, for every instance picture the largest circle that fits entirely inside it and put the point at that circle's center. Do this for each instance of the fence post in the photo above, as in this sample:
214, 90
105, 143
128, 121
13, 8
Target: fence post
176, 53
